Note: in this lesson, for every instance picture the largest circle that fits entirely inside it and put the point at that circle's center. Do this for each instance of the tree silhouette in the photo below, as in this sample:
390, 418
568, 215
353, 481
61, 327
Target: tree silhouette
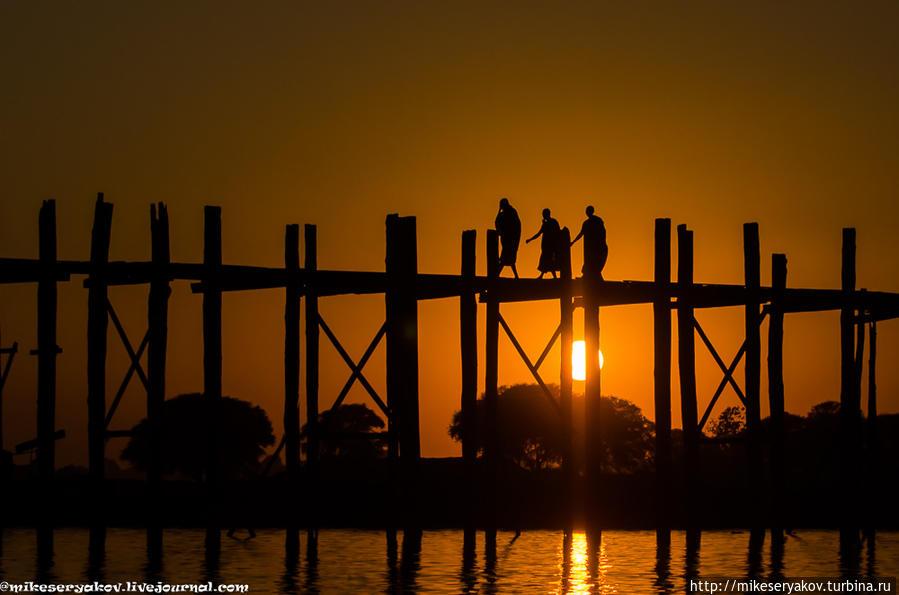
245, 431
531, 431
352, 421
730, 423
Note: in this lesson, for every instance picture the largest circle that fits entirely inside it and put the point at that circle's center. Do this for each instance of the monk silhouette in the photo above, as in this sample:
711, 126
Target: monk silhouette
548, 245
508, 226
596, 251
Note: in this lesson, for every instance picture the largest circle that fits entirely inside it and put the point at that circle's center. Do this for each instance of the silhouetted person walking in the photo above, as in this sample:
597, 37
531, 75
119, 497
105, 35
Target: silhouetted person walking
596, 251
508, 226
548, 245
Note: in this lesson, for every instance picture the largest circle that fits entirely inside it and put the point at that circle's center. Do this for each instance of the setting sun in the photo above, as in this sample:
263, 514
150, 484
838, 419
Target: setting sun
578, 361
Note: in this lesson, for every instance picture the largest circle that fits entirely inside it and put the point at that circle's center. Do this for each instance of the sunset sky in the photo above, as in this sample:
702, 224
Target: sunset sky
338, 113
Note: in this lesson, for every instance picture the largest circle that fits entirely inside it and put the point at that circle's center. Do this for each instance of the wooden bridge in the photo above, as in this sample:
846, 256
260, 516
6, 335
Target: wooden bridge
404, 286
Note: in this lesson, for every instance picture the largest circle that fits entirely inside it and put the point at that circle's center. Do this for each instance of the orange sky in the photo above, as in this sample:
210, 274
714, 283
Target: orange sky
340, 113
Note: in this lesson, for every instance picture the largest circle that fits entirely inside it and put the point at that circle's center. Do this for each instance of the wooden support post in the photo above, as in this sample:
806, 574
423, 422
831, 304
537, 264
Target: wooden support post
753, 365
776, 394
566, 315
686, 356
157, 328
873, 458
661, 311
402, 335
592, 385
491, 379
212, 367
468, 328
46, 343
312, 342
97, 323
292, 295
849, 400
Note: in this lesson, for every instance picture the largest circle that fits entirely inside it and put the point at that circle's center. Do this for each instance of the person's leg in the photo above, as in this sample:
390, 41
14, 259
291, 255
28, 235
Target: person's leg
514, 271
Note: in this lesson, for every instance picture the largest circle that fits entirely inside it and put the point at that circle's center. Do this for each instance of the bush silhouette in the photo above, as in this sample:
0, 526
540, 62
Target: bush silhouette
245, 431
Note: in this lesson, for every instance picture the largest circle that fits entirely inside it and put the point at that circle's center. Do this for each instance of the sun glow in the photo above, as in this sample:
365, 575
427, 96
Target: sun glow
578, 361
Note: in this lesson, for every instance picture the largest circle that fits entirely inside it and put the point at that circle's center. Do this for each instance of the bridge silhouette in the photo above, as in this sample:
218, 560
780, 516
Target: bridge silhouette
403, 287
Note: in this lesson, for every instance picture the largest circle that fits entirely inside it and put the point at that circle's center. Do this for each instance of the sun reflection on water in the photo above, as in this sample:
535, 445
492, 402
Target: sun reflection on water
584, 565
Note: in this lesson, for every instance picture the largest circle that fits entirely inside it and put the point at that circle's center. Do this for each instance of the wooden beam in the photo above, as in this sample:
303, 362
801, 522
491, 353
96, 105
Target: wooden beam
661, 310
527, 362
728, 371
355, 369
292, 367
849, 402
46, 342
686, 349
776, 396
135, 365
752, 368
593, 288
873, 459
212, 369
468, 341
157, 342
10, 353
402, 335
310, 248
491, 389
565, 331
97, 324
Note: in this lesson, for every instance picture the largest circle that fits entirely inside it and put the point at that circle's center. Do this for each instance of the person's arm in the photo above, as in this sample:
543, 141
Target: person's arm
535, 236
577, 237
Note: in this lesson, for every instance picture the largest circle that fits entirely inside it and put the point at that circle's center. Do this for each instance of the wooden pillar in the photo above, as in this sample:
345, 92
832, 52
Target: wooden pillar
97, 323
776, 394
157, 344
212, 367
873, 458
46, 342
46, 380
402, 335
849, 399
292, 361
753, 368
491, 379
312, 340
686, 356
566, 315
661, 312
592, 386
468, 329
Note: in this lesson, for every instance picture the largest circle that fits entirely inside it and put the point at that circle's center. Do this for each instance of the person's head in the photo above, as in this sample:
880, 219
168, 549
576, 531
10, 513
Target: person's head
503, 203
590, 211
546, 213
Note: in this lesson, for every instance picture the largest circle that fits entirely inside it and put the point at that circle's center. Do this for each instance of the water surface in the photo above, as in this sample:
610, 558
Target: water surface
448, 561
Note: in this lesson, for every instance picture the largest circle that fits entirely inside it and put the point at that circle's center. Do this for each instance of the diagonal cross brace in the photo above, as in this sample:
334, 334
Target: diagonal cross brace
127, 344
12, 354
354, 367
134, 367
552, 341
728, 371
528, 363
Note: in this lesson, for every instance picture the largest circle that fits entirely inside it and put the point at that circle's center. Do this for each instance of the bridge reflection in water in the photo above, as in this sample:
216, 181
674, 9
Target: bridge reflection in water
444, 561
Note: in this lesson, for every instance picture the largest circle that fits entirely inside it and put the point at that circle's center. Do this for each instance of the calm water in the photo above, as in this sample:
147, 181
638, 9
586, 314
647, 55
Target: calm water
356, 561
